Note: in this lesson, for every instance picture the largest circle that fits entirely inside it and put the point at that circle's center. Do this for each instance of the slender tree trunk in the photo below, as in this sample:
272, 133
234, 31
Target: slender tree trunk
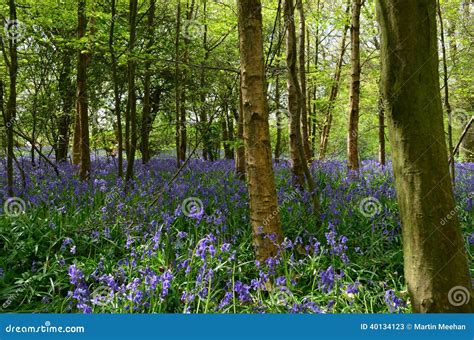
240, 152
279, 120
294, 105
334, 92
82, 97
146, 117
177, 76
117, 101
132, 95
435, 260
354, 92
206, 152
294, 97
381, 109
447, 105
11, 104
468, 145
316, 64
264, 215
302, 67
67, 98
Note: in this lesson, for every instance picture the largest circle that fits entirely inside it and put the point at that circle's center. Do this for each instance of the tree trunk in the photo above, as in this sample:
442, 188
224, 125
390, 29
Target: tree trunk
354, 92
294, 97
435, 260
177, 75
334, 92
279, 120
468, 145
206, 152
67, 98
146, 117
302, 67
11, 104
381, 109
81, 97
447, 105
240, 152
117, 101
132, 95
267, 233
294, 104
314, 94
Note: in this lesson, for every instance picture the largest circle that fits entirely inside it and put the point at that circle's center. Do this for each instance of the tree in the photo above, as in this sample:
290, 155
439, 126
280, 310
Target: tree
295, 102
264, 215
146, 116
81, 133
333, 92
302, 69
433, 247
117, 100
10, 113
353, 130
298, 159
132, 95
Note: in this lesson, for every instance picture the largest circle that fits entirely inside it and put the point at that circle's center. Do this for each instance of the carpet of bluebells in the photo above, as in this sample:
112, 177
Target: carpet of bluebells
186, 247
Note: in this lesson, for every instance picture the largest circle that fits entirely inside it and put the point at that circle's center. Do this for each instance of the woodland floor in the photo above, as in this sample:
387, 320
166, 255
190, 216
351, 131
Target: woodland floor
71, 246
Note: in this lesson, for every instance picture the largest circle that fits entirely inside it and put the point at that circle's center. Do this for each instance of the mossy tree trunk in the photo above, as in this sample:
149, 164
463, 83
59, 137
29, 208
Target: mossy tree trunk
433, 247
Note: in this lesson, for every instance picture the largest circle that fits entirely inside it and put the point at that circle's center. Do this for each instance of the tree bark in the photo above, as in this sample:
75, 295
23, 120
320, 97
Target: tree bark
177, 75
82, 97
381, 109
11, 104
240, 151
132, 95
301, 170
279, 120
354, 91
67, 98
447, 105
264, 214
294, 97
302, 67
117, 100
433, 247
146, 116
